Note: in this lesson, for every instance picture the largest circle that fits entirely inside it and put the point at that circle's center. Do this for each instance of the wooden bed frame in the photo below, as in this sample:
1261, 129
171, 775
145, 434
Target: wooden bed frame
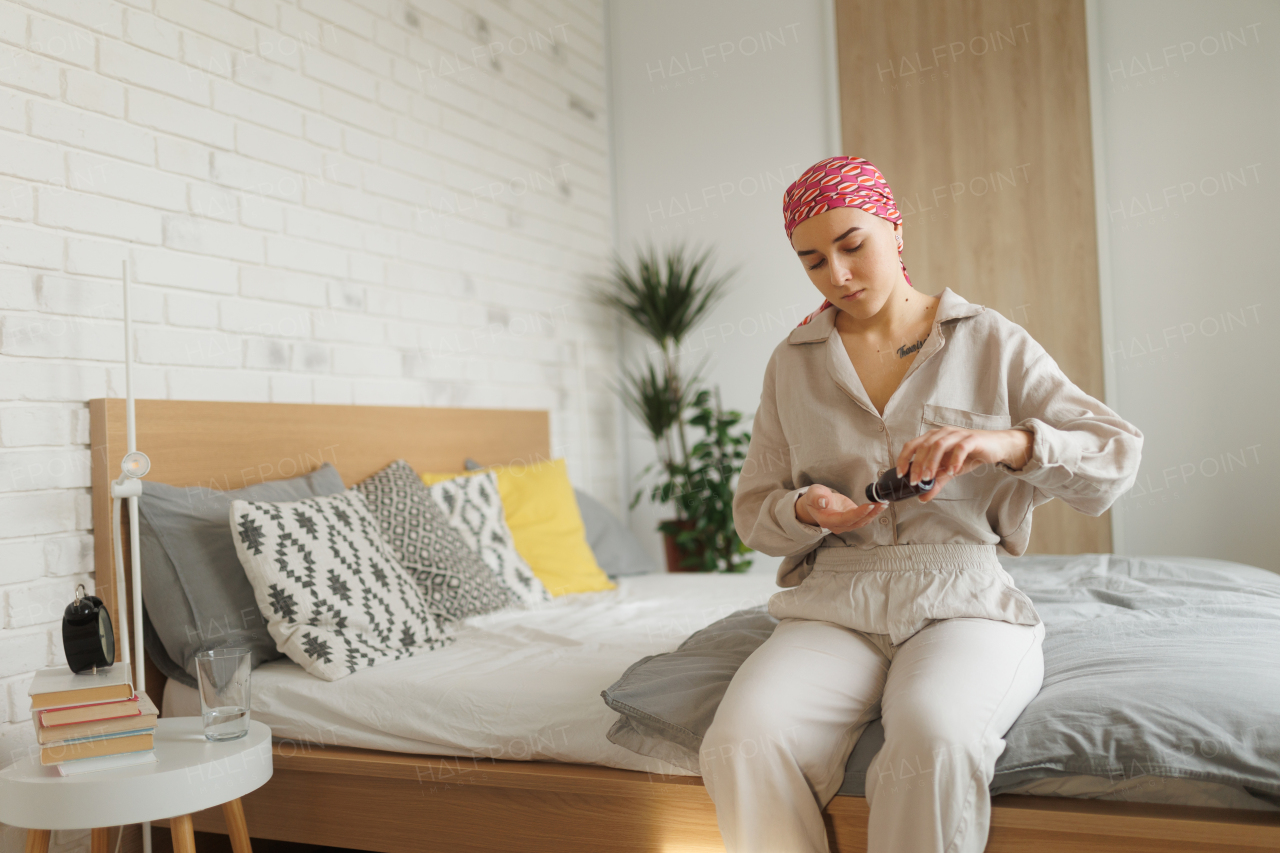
391, 802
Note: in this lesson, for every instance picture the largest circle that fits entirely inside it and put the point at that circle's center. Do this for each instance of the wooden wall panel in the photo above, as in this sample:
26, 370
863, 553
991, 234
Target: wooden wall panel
977, 113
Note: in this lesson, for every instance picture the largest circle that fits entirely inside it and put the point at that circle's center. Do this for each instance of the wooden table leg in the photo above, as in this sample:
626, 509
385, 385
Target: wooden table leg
233, 813
183, 833
38, 840
100, 840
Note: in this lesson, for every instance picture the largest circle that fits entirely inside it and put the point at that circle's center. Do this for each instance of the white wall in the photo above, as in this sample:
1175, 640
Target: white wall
1187, 94
717, 107
330, 201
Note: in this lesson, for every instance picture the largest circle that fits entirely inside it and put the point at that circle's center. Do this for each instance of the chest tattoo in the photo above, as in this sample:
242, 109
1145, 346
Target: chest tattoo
904, 350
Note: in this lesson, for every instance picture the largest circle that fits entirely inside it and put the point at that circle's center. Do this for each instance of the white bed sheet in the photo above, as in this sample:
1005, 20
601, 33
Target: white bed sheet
516, 684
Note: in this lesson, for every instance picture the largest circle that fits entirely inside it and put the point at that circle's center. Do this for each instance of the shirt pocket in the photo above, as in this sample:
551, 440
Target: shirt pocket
947, 416
981, 481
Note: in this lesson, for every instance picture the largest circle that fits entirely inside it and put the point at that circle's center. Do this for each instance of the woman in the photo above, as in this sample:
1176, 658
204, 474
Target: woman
895, 610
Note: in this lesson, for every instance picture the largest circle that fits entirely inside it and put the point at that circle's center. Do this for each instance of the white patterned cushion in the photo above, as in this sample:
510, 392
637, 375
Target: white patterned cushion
335, 598
454, 580
474, 508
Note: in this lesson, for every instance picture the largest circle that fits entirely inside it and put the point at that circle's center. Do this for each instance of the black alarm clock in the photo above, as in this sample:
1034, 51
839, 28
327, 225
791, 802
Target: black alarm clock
87, 637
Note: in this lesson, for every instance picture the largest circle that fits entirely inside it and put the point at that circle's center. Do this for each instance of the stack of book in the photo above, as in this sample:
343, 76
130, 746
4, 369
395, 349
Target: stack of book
91, 720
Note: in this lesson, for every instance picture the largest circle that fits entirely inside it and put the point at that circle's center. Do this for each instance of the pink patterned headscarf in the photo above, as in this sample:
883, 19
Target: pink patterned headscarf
840, 182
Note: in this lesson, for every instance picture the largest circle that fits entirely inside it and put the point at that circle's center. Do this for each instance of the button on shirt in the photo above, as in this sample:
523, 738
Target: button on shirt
977, 370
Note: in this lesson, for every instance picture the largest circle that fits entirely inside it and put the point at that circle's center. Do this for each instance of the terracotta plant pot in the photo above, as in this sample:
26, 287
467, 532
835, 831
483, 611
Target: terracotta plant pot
674, 553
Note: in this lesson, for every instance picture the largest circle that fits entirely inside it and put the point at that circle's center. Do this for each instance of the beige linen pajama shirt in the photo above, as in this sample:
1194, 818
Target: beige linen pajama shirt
976, 370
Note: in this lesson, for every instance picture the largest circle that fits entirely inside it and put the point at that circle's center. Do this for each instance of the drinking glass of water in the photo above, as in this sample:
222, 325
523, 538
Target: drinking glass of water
224, 692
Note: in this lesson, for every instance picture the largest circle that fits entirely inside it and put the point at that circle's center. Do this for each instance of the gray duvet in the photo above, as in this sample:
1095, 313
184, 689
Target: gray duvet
1157, 666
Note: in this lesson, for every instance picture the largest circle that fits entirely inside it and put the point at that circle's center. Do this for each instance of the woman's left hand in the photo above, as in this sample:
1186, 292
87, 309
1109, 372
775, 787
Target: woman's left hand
947, 452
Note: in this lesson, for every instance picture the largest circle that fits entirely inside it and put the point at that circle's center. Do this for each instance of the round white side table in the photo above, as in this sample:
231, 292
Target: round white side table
190, 774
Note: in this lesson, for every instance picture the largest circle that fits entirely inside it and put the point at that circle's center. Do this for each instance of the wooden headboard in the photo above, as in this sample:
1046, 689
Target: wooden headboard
232, 445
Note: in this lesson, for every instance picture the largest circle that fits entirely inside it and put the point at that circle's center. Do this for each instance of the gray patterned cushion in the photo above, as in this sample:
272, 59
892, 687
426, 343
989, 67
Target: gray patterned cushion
335, 598
453, 579
474, 509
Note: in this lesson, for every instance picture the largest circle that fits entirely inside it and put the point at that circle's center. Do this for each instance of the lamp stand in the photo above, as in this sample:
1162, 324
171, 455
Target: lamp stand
128, 487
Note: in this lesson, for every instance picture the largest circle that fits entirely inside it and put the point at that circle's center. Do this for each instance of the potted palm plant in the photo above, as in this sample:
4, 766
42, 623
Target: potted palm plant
705, 539
665, 297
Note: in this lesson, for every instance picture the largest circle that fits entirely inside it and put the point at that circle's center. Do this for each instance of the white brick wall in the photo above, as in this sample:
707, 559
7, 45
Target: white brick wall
351, 201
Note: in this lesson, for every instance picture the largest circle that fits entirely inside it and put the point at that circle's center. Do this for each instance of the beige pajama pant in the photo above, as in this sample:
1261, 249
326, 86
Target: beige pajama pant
775, 753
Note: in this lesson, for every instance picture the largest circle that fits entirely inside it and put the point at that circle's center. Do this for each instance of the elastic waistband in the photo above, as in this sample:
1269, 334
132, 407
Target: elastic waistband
905, 558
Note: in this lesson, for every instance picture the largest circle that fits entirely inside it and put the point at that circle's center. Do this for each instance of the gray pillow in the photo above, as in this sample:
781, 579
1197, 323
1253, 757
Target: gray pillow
194, 591
615, 547
159, 655
667, 701
454, 580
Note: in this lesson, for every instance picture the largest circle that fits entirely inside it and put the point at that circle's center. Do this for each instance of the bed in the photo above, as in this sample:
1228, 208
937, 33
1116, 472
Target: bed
505, 747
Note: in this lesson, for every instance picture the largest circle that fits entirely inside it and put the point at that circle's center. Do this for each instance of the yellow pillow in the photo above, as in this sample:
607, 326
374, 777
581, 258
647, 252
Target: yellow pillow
546, 525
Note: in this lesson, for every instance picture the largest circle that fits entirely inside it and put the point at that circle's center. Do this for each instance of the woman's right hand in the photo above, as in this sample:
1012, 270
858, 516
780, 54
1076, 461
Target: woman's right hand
822, 507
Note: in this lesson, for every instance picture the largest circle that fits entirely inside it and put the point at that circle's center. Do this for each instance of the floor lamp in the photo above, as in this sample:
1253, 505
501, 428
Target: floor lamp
128, 487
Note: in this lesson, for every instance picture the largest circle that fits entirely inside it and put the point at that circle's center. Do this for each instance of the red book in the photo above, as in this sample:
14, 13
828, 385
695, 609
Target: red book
146, 716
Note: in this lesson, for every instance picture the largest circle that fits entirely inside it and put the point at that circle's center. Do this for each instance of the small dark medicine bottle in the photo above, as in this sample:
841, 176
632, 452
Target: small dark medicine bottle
891, 487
